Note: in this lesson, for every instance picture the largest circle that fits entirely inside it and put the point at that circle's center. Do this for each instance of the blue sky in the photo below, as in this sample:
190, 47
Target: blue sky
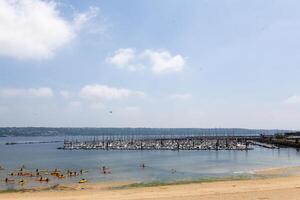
152, 63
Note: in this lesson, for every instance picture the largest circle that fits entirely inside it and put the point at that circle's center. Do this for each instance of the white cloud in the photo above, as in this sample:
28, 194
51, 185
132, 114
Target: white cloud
122, 57
83, 19
34, 92
126, 59
34, 29
161, 61
40, 92
183, 96
292, 100
104, 92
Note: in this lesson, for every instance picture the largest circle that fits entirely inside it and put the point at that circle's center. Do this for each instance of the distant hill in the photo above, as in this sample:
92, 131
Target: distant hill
45, 131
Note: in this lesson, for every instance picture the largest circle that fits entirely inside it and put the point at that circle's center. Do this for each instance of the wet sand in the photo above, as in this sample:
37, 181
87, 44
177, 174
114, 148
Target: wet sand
281, 185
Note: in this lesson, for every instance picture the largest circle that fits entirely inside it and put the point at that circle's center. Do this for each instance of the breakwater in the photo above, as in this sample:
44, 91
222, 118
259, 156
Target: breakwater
32, 142
156, 143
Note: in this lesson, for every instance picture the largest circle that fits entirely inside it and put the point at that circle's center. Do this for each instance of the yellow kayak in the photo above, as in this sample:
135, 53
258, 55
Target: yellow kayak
22, 181
82, 181
61, 176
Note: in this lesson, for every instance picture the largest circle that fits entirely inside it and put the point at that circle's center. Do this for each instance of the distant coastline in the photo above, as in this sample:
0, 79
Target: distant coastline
90, 131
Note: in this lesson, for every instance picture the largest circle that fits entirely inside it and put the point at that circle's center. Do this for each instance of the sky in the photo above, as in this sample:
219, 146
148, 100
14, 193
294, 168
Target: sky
150, 63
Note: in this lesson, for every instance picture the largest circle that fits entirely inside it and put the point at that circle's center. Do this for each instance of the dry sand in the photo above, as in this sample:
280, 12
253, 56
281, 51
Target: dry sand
278, 187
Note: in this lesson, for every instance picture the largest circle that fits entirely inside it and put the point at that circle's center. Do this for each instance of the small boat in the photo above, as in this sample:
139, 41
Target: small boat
82, 180
61, 176
25, 174
43, 179
55, 173
9, 180
22, 181
106, 172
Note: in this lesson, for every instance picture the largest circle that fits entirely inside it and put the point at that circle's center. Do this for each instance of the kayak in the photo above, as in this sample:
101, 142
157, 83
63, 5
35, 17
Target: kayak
106, 172
43, 180
61, 176
25, 174
22, 181
10, 181
82, 181
55, 173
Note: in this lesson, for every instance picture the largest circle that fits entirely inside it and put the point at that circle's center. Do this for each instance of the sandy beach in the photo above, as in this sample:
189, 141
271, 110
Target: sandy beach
280, 185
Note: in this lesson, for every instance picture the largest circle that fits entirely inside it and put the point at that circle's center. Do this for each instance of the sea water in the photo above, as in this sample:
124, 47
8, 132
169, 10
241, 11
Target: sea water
125, 165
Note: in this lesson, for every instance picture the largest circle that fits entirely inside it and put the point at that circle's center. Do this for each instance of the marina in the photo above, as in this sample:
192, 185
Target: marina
160, 143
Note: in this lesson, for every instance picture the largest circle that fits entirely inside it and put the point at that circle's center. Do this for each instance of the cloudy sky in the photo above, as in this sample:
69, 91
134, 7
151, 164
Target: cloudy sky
153, 63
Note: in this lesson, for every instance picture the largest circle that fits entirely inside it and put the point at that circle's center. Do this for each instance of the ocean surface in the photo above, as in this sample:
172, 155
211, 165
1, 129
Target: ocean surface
125, 165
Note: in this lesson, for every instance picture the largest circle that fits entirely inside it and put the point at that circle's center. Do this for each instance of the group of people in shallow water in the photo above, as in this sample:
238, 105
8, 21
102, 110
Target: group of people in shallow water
38, 173
22, 172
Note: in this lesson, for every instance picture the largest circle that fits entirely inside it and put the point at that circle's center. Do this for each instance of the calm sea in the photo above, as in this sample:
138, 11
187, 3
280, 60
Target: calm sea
124, 165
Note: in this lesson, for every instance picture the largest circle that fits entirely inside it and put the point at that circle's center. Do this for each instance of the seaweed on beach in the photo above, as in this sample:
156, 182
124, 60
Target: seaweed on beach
9, 191
55, 187
201, 180
182, 182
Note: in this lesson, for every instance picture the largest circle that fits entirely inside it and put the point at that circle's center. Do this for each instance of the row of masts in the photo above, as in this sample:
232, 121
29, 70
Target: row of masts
154, 142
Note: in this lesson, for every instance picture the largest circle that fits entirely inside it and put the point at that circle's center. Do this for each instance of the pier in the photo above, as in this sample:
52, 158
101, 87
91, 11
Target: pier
265, 145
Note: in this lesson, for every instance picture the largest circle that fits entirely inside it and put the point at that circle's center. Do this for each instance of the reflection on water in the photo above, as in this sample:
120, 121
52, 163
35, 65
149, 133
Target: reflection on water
125, 165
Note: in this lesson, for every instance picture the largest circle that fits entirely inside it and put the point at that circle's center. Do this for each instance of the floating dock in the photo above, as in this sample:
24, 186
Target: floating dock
265, 145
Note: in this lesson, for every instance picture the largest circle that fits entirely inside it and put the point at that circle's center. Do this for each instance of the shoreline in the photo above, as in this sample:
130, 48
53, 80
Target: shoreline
266, 182
262, 173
